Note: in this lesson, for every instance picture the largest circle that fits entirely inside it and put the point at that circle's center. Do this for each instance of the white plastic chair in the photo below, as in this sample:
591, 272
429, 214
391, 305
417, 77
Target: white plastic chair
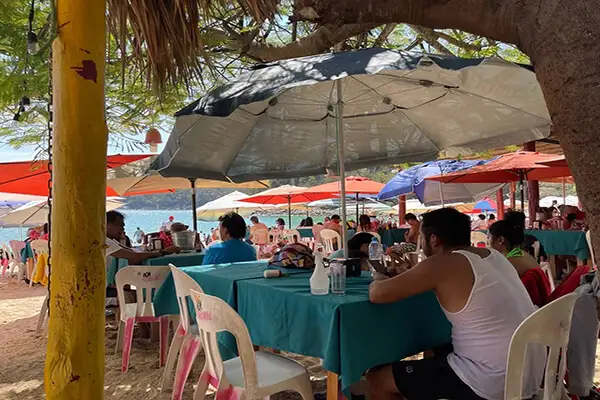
478, 237
252, 375
38, 247
291, 236
17, 246
186, 341
146, 279
547, 270
274, 236
13, 263
588, 237
536, 250
330, 238
549, 326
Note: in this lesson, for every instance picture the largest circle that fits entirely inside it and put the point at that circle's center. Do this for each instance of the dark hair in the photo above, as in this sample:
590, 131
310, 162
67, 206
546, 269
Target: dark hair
280, 221
364, 221
410, 217
303, 223
45, 227
254, 219
113, 216
335, 216
482, 216
515, 218
308, 221
320, 223
514, 234
492, 216
450, 225
235, 224
356, 242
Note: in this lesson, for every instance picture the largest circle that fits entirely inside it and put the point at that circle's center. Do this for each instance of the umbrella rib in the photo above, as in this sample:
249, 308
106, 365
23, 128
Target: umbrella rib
23, 177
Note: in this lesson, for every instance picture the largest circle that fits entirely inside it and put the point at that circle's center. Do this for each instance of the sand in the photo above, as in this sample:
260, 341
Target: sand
22, 355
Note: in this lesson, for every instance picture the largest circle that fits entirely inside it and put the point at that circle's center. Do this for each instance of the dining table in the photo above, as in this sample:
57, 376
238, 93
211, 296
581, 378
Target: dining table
349, 333
569, 243
391, 236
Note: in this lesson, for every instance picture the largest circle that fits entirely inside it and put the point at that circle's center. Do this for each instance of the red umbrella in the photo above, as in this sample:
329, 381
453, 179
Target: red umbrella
31, 177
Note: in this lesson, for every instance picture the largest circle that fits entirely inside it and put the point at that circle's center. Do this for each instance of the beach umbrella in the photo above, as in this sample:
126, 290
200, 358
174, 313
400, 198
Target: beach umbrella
301, 117
511, 167
287, 194
36, 212
412, 180
484, 206
212, 210
31, 177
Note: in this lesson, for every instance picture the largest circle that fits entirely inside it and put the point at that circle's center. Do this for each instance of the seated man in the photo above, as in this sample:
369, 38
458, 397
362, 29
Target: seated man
334, 224
484, 301
233, 248
115, 229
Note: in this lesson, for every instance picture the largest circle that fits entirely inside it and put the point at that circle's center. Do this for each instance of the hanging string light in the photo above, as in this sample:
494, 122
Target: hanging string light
33, 47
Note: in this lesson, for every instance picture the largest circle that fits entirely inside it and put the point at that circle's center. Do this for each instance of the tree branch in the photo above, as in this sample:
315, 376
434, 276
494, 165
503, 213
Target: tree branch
430, 37
383, 36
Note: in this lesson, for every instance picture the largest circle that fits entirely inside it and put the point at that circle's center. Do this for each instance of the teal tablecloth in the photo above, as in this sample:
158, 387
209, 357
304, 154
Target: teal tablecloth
391, 236
348, 332
179, 260
569, 243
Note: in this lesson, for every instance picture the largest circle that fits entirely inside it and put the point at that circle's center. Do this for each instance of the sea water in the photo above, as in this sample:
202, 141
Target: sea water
151, 220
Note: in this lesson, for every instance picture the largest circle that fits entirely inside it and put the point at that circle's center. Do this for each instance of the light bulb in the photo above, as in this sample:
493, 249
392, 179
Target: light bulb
33, 46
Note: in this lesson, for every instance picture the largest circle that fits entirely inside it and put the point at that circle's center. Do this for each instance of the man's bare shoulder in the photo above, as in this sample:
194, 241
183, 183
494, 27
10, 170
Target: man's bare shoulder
448, 259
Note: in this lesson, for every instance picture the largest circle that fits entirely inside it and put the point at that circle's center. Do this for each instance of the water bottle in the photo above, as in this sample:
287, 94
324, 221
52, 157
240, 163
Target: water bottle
375, 250
319, 281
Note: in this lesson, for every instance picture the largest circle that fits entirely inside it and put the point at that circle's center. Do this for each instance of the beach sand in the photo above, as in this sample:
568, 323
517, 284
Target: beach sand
22, 355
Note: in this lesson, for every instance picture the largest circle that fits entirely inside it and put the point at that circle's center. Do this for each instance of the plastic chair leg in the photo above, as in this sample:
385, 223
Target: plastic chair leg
128, 337
164, 339
42, 317
120, 335
187, 355
172, 356
205, 379
304, 388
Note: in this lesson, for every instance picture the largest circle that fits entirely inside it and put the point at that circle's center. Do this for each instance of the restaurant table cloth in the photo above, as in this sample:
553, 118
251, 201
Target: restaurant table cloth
179, 260
349, 333
391, 236
569, 243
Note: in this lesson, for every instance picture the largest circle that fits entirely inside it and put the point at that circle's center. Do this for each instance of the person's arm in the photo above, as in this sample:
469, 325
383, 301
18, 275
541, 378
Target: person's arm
135, 258
422, 278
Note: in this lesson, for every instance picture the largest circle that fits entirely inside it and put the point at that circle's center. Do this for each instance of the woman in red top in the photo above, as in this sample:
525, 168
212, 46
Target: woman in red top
507, 237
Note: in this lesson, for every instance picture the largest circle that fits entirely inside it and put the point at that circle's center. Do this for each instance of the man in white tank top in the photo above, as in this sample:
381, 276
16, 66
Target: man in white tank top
484, 299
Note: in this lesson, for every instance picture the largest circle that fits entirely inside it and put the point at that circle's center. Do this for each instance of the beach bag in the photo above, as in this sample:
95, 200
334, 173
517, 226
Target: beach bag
293, 255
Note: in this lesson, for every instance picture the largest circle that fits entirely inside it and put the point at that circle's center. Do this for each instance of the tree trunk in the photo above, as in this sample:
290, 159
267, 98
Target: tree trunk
561, 38
75, 353
533, 190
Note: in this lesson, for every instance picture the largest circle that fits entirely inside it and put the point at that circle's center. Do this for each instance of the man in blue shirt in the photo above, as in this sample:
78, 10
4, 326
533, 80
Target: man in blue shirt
233, 248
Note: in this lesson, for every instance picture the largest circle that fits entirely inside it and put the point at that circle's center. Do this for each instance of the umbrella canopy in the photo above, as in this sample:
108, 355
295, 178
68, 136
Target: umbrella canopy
288, 194
212, 210
412, 180
483, 206
279, 120
36, 213
511, 167
31, 177
415, 206
368, 204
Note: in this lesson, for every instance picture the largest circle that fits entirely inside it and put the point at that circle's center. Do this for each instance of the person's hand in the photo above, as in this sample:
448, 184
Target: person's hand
171, 250
378, 276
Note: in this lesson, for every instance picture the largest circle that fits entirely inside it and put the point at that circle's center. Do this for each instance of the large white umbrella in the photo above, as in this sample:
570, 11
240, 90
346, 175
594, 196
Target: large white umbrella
212, 210
36, 213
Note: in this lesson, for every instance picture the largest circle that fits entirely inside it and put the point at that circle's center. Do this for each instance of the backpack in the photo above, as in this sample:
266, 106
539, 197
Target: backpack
293, 255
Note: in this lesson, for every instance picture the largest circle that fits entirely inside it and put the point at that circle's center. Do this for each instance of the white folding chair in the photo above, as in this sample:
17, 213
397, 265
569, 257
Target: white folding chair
186, 340
588, 238
252, 375
146, 279
38, 247
12, 264
17, 246
291, 236
549, 326
478, 237
330, 239
548, 271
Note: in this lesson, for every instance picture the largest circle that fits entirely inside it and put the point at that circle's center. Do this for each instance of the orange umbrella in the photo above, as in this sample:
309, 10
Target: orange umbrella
512, 167
31, 177
288, 194
355, 185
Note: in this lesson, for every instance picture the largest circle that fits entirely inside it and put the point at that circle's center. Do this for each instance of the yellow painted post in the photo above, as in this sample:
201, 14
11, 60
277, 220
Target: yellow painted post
75, 355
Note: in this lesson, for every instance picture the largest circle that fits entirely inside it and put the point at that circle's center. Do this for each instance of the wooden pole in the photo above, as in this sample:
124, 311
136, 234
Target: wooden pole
401, 209
513, 199
75, 353
500, 203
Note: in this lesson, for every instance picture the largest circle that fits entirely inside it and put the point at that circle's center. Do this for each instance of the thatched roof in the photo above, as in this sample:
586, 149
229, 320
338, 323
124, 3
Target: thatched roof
163, 37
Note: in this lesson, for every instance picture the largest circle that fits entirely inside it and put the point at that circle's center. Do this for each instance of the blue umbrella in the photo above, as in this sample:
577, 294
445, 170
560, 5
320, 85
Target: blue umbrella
412, 180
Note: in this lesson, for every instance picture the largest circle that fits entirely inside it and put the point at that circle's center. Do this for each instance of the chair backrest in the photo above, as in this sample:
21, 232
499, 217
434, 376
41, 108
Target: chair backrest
549, 326
291, 236
478, 237
260, 236
588, 237
8, 252
16, 246
146, 279
274, 235
317, 232
213, 315
38, 247
546, 268
330, 238
183, 284
536, 250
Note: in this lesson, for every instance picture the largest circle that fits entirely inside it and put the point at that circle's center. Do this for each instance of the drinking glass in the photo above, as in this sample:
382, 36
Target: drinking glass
337, 273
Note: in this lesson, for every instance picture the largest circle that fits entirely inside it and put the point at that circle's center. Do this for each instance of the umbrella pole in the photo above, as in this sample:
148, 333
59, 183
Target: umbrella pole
522, 191
194, 212
564, 189
339, 122
357, 213
289, 212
